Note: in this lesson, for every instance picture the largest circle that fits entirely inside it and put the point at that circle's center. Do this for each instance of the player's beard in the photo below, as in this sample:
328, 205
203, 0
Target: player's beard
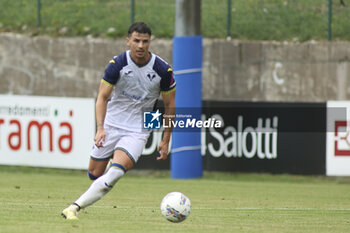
140, 54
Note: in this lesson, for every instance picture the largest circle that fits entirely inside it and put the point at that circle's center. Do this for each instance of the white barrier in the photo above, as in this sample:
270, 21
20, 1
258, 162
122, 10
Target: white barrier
58, 132
338, 138
46, 131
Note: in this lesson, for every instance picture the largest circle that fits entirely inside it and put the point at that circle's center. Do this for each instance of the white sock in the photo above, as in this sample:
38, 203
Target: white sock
100, 187
109, 164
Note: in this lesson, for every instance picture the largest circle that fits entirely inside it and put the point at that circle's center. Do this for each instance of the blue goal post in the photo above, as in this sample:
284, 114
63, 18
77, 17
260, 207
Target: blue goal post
186, 158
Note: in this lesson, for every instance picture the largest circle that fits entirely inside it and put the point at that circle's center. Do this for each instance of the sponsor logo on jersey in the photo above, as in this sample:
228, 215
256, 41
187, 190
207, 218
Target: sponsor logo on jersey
131, 96
128, 72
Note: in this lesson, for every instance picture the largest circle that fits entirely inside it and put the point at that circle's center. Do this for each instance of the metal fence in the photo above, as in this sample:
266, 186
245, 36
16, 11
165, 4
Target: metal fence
299, 20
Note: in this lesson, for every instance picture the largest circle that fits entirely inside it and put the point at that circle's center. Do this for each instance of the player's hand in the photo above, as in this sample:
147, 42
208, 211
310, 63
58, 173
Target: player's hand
163, 149
100, 137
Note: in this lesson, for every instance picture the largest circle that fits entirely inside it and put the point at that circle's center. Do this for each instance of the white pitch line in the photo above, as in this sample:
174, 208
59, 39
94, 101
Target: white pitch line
194, 208
272, 208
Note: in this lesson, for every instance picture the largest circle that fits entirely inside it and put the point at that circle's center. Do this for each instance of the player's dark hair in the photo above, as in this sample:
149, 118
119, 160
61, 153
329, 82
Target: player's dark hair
139, 27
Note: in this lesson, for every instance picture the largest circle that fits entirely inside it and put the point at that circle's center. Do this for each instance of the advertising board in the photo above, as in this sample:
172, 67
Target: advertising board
46, 131
338, 138
258, 137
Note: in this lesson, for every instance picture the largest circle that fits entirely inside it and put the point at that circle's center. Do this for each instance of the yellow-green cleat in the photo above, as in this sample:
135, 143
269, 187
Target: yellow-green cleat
70, 213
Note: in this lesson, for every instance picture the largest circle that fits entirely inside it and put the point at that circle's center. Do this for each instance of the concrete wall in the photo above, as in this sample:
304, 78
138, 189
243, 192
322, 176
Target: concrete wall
232, 70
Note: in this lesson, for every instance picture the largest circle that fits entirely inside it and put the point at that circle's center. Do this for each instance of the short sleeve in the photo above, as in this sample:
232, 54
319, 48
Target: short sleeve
164, 70
167, 82
112, 71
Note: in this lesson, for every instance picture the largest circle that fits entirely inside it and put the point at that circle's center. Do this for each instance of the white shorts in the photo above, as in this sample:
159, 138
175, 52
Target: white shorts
132, 143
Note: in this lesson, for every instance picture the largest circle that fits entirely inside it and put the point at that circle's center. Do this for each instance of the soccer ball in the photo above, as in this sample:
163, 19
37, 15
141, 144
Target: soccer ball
175, 207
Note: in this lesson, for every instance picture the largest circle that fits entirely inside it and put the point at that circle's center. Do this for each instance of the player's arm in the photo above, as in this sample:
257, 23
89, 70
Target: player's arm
169, 115
104, 94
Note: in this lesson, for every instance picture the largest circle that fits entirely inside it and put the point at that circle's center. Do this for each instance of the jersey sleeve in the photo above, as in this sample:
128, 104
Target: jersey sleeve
164, 70
112, 71
168, 83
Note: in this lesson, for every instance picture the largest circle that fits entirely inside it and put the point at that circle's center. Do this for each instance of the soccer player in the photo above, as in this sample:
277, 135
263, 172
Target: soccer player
132, 82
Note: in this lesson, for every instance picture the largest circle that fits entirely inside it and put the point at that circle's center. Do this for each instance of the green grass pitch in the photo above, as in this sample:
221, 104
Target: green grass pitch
32, 199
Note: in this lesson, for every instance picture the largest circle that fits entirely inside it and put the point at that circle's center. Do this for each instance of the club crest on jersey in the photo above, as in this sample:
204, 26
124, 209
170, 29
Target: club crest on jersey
151, 76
